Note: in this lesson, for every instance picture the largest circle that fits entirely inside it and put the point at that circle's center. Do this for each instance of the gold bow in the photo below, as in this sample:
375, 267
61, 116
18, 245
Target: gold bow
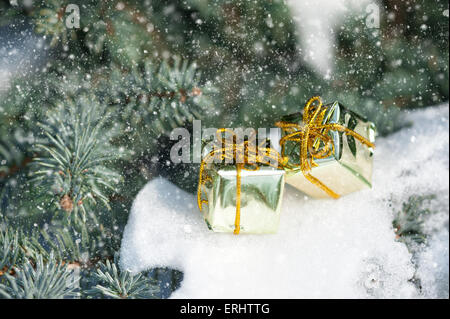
246, 155
315, 142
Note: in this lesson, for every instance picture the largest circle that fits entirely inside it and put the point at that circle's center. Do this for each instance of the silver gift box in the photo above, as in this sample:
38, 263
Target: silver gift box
349, 169
261, 195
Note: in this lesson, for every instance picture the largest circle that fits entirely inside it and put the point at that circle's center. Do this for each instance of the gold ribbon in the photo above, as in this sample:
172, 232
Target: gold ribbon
246, 156
315, 142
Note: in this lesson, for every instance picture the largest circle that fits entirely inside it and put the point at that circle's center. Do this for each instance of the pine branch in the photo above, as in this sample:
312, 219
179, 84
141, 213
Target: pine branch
72, 166
81, 243
160, 99
10, 251
121, 284
43, 280
112, 29
49, 21
408, 223
15, 155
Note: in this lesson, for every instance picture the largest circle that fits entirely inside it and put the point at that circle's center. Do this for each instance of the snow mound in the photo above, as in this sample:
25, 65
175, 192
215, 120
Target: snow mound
342, 248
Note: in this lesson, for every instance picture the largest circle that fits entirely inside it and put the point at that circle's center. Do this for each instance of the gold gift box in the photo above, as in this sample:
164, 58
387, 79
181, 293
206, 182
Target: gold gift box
349, 169
261, 195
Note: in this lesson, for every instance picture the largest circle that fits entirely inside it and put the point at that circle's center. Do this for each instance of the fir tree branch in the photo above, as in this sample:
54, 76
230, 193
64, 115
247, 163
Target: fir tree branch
121, 284
72, 166
42, 280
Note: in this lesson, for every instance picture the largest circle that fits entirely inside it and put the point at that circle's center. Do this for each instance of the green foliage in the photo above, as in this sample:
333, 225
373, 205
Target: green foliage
416, 45
408, 223
42, 280
247, 49
362, 81
67, 243
17, 246
80, 246
83, 242
249, 30
14, 157
78, 146
401, 65
157, 100
116, 30
123, 34
9, 250
116, 284
50, 22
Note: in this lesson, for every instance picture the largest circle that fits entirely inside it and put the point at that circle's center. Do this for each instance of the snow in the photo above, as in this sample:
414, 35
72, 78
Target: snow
433, 266
342, 248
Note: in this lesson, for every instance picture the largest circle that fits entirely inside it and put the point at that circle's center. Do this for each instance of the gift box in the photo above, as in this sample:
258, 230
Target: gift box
242, 198
329, 150
261, 194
